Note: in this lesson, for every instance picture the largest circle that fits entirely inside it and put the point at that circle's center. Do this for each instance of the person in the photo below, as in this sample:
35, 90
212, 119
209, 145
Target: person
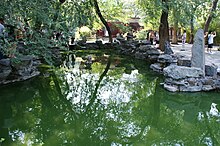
157, 39
184, 38
151, 36
211, 36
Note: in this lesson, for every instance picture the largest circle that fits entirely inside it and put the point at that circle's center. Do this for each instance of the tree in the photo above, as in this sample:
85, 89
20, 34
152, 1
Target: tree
98, 12
164, 27
209, 19
176, 14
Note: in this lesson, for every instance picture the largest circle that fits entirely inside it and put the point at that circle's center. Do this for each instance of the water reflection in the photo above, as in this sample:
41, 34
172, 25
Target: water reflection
75, 106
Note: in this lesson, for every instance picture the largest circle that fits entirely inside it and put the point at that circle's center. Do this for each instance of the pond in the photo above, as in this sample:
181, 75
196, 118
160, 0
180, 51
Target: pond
105, 102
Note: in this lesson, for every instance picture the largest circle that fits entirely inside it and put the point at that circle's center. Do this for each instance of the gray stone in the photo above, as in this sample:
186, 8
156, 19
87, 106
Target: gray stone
211, 70
167, 48
156, 67
165, 58
144, 48
153, 58
198, 51
24, 66
207, 88
184, 62
176, 82
182, 72
5, 72
208, 81
192, 81
153, 51
5, 62
191, 88
145, 42
171, 88
5, 68
217, 84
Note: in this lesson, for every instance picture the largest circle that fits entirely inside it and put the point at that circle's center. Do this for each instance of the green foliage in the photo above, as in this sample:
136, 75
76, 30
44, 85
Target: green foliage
85, 31
112, 10
181, 12
97, 67
41, 20
117, 72
141, 35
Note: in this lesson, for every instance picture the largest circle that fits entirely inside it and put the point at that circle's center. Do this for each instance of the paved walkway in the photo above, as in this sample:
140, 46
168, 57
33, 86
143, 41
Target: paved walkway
209, 58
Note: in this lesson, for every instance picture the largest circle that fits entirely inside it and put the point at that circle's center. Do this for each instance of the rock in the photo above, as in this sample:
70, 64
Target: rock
23, 68
165, 58
5, 62
145, 42
152, 58
144, 48
18, 70
153, 51
211, 70
198, 51
171, 88
176, 82
191, 81
208, 81
191, 88
182, 72
5, 72
184, 62
5, 68
217, 84
207, 88
156, 67
167, 48
140, 55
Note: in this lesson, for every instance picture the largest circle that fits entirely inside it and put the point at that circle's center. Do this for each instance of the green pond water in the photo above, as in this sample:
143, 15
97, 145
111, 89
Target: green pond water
123, 104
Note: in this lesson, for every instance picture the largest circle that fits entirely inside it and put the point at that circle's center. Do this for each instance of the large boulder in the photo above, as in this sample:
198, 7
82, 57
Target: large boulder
182, 72
211, 70
167, 48
23, 67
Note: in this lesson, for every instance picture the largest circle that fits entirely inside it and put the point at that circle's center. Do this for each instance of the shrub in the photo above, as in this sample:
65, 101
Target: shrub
141, 35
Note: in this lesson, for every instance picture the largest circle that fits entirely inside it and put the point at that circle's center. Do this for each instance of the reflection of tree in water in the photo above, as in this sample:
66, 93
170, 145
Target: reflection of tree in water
12, 96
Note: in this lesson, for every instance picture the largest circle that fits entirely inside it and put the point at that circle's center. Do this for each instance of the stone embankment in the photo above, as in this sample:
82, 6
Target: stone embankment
14, 70
182, 72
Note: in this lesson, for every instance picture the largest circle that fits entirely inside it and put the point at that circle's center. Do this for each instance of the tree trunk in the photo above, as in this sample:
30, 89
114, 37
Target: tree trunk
174, 37
175, 28
191, 29
208, 21
98, 12
164, 27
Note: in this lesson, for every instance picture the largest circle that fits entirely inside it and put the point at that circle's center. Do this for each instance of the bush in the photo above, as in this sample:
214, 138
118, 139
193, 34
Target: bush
85, 32
141, 35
